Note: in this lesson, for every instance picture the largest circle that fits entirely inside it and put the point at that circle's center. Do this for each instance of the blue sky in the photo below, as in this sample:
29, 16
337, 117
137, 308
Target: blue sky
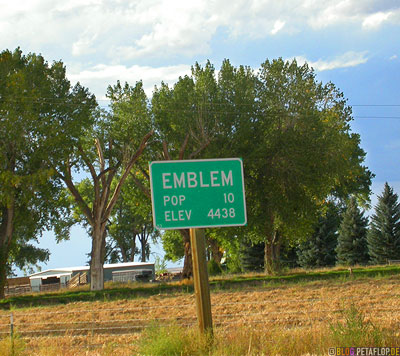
353, 43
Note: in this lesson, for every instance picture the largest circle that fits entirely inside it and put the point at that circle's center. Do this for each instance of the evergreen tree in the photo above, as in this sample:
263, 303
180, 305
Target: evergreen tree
384, 234
352, 240
319, 249
252, 256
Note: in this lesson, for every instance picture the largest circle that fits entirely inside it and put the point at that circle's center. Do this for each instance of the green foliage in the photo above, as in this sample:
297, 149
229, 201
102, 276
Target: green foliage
116, 292
107, 151
294, 136
384, 234
213, 268
172, 245
131, 227
352, 240
160, 265
42, 116
252, 256
355, 331
232, 258
172, 340
130, 119
318, 250
186, 115
12, 346
292, 132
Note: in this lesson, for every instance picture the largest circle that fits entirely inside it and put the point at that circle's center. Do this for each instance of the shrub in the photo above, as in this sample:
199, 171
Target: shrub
12, 347
213, 268
355, 331
171, 340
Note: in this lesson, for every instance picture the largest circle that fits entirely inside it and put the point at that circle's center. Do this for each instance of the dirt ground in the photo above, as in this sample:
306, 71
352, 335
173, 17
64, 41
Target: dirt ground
116, 325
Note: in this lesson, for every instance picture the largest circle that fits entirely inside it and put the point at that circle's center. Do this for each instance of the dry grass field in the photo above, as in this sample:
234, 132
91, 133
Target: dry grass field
115, 327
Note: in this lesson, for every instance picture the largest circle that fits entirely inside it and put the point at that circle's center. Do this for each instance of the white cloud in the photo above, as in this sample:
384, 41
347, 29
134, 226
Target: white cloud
95, 78
348, 59
84, 45
394, 57
327, 13
370, 14
375, 20
278, 25
117, 31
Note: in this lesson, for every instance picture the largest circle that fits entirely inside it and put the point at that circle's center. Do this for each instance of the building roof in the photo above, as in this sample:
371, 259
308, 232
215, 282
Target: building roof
58, 272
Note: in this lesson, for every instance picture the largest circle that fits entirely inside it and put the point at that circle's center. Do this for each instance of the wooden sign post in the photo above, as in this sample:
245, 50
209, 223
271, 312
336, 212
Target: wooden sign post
194, 195
200, 278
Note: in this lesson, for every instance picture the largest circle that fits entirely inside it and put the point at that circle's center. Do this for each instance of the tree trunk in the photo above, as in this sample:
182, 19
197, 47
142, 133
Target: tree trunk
3, 270
143, 242
6, 232
143, 239
97, 257
133, 247
105, 199
216, 252
187, 264
272, 254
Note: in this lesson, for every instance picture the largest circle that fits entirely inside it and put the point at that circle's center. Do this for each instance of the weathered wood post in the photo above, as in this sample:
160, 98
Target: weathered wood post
200, 278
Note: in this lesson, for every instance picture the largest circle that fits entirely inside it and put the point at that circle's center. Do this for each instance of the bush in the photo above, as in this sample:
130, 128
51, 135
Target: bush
14, 347
213, 268
171, 340
355, 331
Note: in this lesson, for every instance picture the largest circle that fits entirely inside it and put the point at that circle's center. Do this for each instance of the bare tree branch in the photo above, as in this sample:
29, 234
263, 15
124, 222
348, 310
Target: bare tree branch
115, 168
101, 160
144, 173
79, 199
141, 186
88, 163
183, 147
132, 161
165, 150
195, 153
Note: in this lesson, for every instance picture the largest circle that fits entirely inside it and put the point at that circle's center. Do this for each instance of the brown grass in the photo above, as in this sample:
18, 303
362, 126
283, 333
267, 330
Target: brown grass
304, 309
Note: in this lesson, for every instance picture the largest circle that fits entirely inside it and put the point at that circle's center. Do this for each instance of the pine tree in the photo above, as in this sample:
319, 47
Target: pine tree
319, 249
252, 256
352, 240
384, 234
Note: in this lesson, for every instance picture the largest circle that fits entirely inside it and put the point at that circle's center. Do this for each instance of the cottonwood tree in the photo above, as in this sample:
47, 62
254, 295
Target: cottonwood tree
186, 123
294, 136
107, 152
292, 132
121, 244
131, 224
190, 123
384, 233
41, 116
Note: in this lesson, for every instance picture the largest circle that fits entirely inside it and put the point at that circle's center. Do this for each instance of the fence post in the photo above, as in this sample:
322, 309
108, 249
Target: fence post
12, 332
11, 325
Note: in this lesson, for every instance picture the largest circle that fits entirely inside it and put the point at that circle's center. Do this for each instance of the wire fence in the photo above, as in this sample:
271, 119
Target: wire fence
115, 321
80, 328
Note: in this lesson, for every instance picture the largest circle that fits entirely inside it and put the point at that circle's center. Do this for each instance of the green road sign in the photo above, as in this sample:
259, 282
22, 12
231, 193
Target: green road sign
198, 193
